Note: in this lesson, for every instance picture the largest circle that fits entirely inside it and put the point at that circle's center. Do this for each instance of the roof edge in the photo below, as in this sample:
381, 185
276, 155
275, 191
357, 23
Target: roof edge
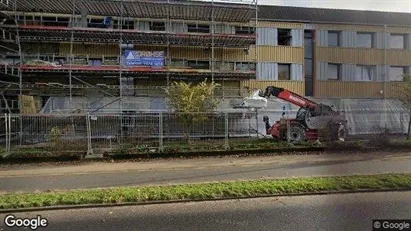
330, 22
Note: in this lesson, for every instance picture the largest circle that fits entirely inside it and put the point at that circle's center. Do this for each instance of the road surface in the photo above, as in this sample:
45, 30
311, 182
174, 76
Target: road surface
325, 212
92, 175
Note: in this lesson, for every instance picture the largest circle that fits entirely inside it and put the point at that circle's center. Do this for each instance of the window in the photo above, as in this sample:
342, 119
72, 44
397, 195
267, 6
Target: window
244, 66
397, 41
284, 71
363, 73
284, 37
334, 71
365, 40
157, 26
245, 30
196, 28
333, 38
198, 64
396, 73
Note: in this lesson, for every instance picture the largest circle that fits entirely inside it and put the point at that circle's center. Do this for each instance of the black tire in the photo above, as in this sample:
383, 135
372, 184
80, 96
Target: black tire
297, 134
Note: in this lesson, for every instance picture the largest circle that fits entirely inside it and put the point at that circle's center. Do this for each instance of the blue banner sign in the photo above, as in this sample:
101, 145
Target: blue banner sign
144, 58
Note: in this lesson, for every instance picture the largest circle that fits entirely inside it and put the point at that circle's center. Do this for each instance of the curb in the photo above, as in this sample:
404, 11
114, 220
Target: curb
188, 155
88, 206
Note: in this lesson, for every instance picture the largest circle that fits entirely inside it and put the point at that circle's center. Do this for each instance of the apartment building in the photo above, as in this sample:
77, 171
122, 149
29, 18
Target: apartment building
81, 49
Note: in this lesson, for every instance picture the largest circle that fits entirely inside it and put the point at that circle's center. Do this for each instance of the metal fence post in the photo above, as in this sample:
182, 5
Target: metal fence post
10, 131
6, 124
89, 145
160, 132
256, 120
226, 144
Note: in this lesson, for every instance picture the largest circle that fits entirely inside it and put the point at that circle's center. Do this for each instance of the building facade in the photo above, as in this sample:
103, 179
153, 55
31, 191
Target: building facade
135, 49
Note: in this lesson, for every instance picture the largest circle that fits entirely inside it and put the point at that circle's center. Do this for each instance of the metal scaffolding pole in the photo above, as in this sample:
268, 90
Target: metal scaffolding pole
168, 57
120, 69
212, 41
71, 56
20, 74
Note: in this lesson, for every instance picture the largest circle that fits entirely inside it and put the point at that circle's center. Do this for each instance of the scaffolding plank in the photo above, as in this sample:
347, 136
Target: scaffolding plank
53, 33
228, 11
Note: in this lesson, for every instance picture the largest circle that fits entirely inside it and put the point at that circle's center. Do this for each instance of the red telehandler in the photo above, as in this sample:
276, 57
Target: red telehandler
310, 120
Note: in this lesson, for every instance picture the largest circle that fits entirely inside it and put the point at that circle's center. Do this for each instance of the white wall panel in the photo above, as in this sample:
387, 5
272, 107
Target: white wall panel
322, 38
379, 40
348, 72
348, 38
267, 36
267, 71
297, 39
297, 71
322, 70
380, 73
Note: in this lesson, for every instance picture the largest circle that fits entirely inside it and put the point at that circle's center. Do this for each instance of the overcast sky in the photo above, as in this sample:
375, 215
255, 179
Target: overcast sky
379, 5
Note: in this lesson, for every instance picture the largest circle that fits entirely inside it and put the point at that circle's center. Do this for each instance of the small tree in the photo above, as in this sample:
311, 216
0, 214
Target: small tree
405, 97
192, 102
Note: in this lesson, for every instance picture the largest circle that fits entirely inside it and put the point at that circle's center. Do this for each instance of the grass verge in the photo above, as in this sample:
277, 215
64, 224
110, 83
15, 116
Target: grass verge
206, 190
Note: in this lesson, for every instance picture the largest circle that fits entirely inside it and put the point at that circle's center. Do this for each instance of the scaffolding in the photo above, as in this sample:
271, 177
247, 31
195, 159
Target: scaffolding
125, 28
11, 75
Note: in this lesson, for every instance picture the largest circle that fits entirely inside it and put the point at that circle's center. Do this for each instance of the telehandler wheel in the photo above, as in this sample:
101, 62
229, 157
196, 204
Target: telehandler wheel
297, 134
342, 132
338, 132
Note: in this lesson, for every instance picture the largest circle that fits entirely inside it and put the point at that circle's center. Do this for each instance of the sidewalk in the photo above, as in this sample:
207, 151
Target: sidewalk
200, 163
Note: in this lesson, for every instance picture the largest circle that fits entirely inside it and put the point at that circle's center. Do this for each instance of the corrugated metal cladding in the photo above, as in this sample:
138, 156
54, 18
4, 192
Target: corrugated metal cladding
348, 72
380, 73
379, 40
267, 36
399, 57
322, 38
145, 26
283, 54
285, 25
322, 70
338, 89
178, 27
296, 72
297, 39
294, 86
348, 38
224, 29
267, 71
364, 56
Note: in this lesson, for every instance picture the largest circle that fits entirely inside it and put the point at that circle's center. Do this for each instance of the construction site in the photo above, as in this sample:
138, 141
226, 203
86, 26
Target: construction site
93, 73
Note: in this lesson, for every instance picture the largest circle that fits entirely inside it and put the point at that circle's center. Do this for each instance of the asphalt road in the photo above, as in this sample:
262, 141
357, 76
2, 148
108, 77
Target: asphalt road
325, 212
203, 170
